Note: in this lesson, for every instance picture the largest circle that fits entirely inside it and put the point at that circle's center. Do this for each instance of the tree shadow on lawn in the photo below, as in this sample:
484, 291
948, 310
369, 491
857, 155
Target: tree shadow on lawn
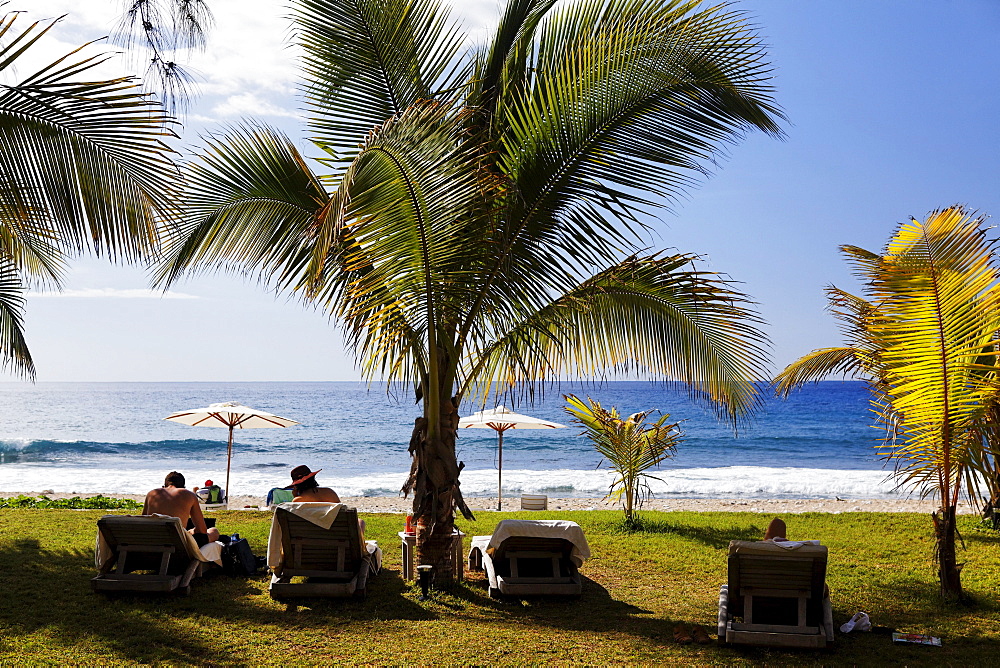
389, 597
593, 611
716, 537
76, 616
983, 539
169, 627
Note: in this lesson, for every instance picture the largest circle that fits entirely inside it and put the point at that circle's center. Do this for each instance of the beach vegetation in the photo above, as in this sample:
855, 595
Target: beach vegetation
98, 502
925, 336
83, 168
478, 228
632, 446
637, 586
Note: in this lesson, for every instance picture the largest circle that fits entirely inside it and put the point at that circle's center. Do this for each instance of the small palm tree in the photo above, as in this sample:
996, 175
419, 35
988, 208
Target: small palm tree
83, 167
477, 229
926, 340
631, 446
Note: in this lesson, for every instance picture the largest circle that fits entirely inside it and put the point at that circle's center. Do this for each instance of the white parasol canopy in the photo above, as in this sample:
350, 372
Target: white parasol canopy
233, 415
500, 419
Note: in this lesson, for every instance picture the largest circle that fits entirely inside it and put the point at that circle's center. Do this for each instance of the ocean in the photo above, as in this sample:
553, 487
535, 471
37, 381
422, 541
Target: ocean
111, 438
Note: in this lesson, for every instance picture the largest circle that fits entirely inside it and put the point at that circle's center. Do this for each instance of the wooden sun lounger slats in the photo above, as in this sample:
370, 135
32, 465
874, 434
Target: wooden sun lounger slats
145, 543
778, 593
332, 560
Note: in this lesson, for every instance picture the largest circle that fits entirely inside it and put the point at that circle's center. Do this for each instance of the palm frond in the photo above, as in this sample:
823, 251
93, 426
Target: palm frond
366, 61
626, 101
403, 204
160, 30
251, 202
502, 68
632, 99
816, 366
937, 288
14, 353
647, 315
89, 154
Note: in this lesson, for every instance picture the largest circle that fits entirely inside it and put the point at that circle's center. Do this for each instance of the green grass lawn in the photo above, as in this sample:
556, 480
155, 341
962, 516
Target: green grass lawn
636, 587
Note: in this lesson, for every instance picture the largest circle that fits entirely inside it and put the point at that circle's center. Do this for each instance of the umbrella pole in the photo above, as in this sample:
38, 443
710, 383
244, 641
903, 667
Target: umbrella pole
499, 468
229, 462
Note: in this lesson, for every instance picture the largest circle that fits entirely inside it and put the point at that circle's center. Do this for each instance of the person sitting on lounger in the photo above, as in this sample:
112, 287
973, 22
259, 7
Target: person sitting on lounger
211, 493
175, 501
305, 488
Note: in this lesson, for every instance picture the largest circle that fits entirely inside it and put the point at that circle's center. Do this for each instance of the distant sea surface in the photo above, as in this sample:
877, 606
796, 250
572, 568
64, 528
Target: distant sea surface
111, 438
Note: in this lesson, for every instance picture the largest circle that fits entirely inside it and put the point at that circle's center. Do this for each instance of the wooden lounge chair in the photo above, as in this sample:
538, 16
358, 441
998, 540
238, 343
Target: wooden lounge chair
334, 562
776, 596
531, 558
156, 544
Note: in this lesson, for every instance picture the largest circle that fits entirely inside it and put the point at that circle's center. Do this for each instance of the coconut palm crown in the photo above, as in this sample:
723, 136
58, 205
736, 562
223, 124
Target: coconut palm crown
924, 336
477, 227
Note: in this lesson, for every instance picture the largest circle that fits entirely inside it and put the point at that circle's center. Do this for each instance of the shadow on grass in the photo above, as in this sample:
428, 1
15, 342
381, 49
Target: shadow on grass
389, 597
594, 611
982, 538
717, 537
171, 628
77, 617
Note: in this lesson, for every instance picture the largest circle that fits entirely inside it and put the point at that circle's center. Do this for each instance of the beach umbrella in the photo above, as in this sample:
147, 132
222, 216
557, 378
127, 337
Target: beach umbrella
233, 415
500, 419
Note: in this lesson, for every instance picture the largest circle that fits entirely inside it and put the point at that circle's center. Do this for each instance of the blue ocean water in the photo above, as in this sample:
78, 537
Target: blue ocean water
111, 437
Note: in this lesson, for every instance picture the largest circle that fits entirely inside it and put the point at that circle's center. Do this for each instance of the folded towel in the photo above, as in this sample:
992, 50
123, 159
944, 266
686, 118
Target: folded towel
794, 544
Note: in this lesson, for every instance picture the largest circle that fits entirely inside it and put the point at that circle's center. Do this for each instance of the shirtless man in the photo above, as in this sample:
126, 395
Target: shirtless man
175, 501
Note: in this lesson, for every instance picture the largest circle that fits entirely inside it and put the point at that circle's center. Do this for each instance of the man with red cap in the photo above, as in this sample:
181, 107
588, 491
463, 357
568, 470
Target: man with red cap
211, 493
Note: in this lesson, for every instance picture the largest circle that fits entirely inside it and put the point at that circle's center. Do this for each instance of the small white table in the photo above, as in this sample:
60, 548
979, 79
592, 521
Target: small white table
408, 543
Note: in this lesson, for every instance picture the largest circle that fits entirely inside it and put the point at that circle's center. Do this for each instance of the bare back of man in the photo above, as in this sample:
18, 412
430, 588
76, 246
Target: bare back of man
180, 503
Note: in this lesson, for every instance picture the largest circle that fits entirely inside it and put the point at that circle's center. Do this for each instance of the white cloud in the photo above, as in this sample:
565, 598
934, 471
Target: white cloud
111, 293
249, 63
250, 105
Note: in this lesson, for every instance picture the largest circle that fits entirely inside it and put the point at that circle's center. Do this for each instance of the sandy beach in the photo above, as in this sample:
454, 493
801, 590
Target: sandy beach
389, 504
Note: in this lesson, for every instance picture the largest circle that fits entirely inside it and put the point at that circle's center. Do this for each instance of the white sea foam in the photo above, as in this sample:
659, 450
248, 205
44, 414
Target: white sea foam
717, 482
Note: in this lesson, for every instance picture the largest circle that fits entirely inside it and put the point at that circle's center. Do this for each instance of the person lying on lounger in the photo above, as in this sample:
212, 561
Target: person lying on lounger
175, 501
776, 531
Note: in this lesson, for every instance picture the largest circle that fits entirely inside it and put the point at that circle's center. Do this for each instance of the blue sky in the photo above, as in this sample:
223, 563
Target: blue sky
893, 110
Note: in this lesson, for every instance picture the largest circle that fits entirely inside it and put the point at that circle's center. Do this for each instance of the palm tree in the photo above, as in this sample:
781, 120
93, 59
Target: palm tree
632, 446
83, 168
926, 340
478, 229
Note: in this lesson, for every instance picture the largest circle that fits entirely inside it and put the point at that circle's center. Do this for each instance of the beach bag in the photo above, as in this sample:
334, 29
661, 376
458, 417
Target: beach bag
238, 559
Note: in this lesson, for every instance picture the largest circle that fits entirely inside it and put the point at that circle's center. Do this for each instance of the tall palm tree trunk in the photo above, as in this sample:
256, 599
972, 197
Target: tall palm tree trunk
949, 570
434, 482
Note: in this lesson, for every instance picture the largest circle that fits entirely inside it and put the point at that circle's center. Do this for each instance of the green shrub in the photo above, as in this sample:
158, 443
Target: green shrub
75, 503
